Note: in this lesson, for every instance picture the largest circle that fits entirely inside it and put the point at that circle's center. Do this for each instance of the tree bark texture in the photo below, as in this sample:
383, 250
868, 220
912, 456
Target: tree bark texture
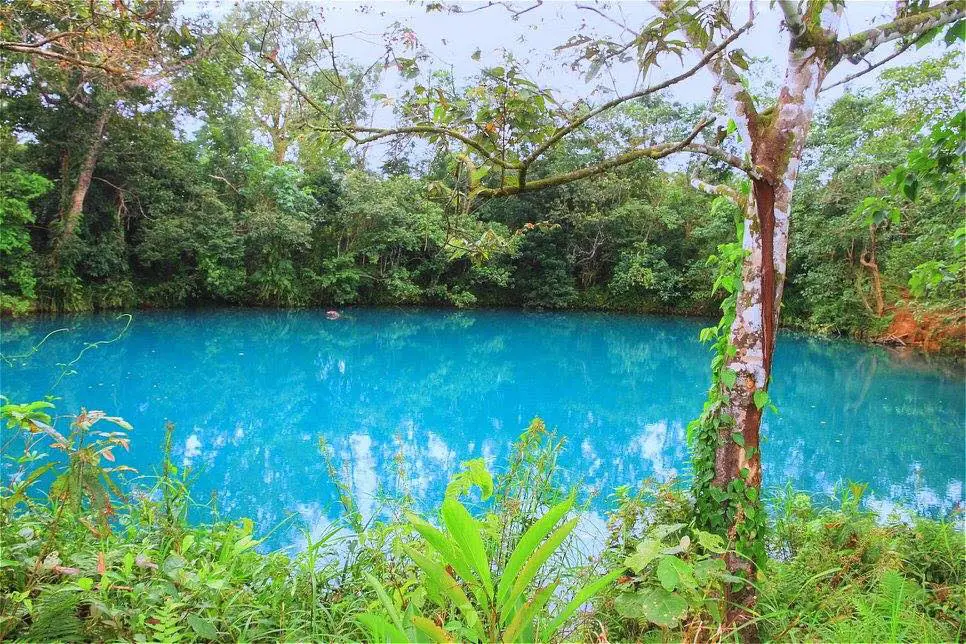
75, 206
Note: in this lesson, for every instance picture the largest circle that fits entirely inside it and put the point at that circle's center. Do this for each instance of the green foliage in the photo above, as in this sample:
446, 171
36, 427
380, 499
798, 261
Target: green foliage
488, 595
260, 206
846, 574
673, 575
870, 215
17, 281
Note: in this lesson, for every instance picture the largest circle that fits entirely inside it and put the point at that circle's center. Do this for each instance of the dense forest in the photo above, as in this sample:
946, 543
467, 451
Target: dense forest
212, 185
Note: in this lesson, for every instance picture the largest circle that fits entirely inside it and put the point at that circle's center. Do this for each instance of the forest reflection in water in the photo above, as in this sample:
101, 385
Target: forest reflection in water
252, 392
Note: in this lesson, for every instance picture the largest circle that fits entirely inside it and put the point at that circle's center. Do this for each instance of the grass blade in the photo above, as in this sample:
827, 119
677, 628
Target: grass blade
533, 565
528, 543
581, 597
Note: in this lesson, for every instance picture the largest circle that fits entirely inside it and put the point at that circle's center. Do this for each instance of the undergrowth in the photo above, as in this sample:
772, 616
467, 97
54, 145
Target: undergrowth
89, 555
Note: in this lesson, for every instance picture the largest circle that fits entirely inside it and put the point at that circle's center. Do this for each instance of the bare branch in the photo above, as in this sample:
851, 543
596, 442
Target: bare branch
893, 55
573, 125
727, 192
650, 152
506, 5
857, 46
609, 19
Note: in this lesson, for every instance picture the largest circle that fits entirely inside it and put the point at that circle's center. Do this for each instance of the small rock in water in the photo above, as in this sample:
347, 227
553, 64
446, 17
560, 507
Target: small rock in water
333, 315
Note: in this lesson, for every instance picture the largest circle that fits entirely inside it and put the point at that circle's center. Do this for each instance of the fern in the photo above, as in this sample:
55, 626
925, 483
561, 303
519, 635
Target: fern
896, 595
166, 623
55, 618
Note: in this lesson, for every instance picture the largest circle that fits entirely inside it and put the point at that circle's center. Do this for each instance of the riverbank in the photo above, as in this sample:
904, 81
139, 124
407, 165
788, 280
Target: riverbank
932, 331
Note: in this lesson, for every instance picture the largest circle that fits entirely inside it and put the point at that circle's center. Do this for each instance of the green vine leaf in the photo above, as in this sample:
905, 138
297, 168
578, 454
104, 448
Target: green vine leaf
656, 605
674, 573
761, 398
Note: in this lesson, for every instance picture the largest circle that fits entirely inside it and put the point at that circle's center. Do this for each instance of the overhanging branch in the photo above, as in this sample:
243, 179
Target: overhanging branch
857, 46
727, 192
650, 152
573, 125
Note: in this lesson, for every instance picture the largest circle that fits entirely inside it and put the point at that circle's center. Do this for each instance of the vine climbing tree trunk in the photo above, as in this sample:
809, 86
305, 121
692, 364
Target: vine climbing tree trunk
775, 141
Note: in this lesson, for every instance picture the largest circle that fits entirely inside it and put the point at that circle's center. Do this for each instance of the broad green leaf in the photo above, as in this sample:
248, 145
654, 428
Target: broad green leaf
710, 542
647, 550
761, 398
202, 627
662, 530
20, 492
528, 543
956, 32
465, 531
437, 576
173, 564
707, 569
429, 628
387, 603
523, 621
656, 605
475, 473
533, 565
446, 549
674, 573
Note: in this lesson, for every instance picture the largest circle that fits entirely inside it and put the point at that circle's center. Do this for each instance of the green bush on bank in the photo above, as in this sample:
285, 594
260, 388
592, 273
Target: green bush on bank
503, 560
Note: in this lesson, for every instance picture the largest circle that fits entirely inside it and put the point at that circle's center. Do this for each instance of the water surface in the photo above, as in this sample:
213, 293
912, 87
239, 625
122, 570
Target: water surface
251, 393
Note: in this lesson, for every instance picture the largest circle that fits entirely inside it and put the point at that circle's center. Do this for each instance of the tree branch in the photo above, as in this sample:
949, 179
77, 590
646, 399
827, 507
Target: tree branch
351, 131
727, 192
33, 50
857, 46
793, 19
573, 125
895, 54
725, 156
651, 152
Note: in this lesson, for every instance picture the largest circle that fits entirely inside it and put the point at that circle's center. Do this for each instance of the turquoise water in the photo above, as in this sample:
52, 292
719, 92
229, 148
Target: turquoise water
252, 391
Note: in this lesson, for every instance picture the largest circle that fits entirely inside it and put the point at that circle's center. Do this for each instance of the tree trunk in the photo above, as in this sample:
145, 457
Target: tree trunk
279, 146
776, 150
75, 206
867, 259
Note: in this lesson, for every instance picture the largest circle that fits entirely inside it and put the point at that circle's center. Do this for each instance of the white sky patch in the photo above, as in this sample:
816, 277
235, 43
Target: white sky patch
439, 451
364, 477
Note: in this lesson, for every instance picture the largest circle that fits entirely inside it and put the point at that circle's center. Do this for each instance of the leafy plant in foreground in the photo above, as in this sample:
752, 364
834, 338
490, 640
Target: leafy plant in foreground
672, 577
459, 580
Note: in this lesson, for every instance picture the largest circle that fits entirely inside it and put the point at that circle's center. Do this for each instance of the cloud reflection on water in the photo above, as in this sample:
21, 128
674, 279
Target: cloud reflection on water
251, 392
